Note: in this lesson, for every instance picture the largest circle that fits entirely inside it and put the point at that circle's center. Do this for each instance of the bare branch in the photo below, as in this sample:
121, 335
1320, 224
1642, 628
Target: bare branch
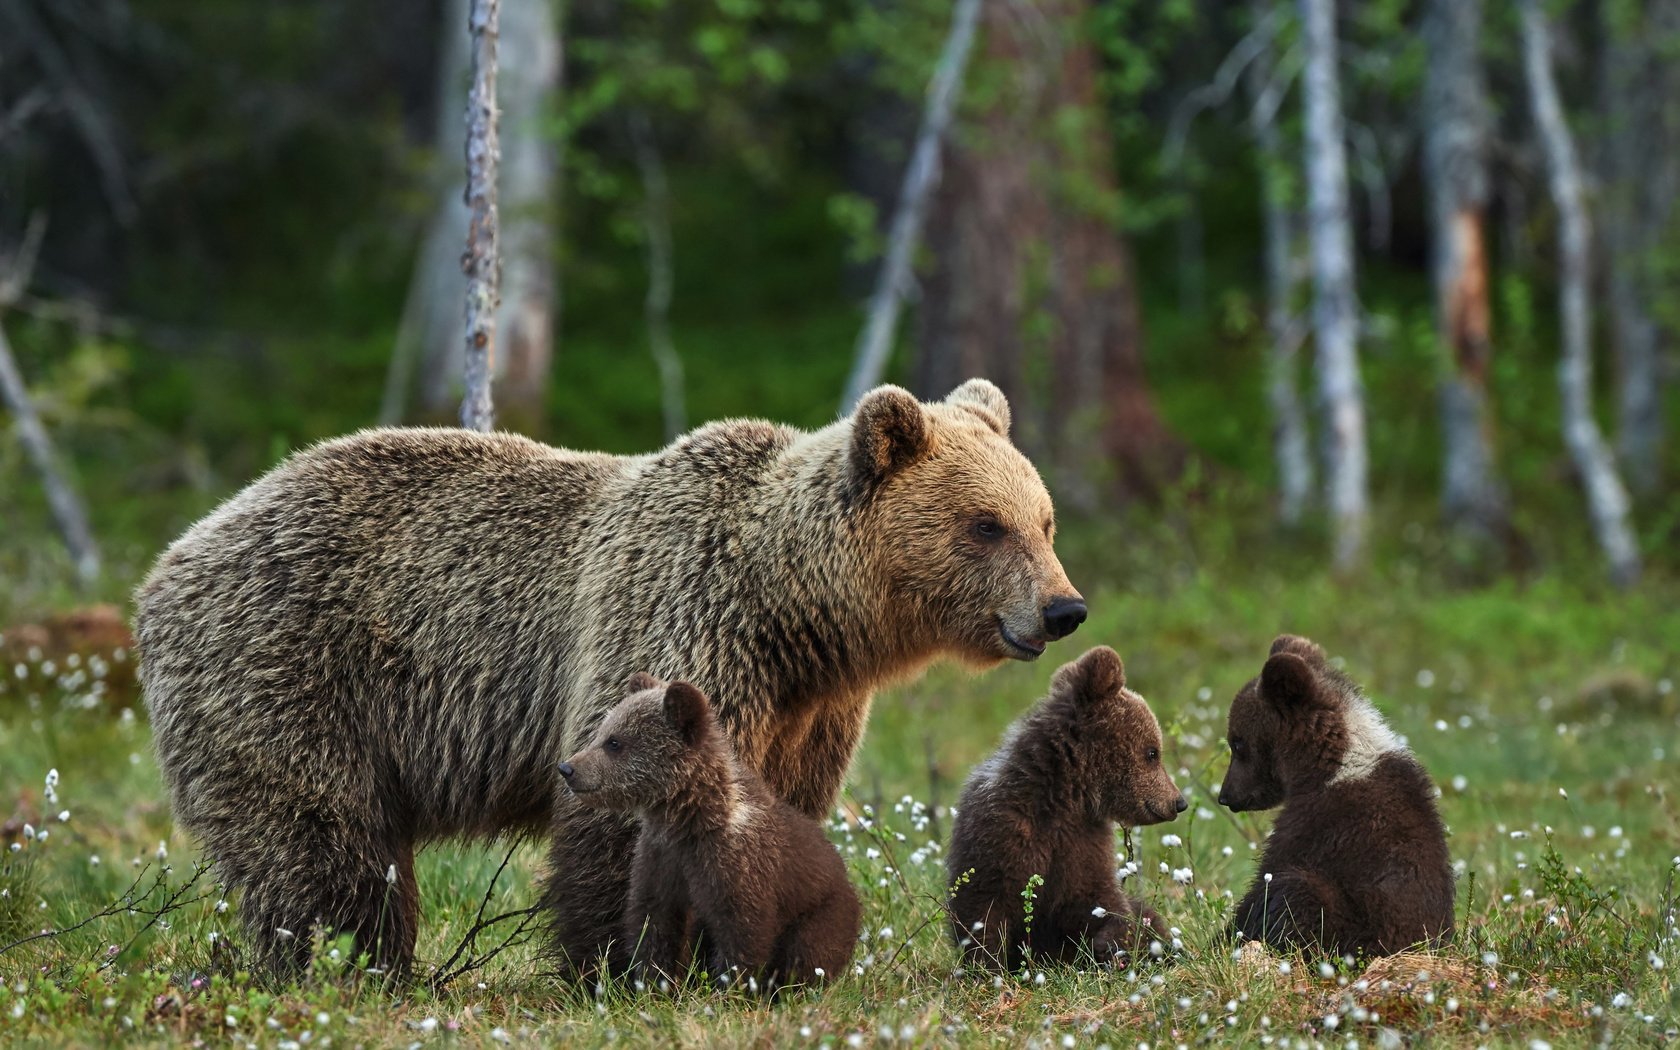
1216, 91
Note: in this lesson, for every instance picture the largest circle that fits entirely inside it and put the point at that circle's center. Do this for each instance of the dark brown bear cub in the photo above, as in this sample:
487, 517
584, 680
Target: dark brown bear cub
1357, 861
720, 860
1088, 756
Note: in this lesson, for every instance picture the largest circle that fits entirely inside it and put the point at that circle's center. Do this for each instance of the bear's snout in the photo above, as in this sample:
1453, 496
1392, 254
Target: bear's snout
1063, 616
566, 770
1181, 805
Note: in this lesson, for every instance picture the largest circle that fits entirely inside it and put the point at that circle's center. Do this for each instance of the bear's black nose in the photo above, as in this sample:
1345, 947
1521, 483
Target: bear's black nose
1063, 616
1182, 804
566, 770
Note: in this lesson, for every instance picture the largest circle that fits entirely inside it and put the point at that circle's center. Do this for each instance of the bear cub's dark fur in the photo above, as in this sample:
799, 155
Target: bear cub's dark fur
1045, 804
720, 861
1357, 860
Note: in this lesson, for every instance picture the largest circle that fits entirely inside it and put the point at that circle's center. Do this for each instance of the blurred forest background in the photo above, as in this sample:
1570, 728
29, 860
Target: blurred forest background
1379, 283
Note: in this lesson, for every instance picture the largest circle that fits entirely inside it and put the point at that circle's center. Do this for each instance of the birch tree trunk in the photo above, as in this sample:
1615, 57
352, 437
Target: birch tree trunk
1641, 176
1457, 121
67, 508
429, 338
482, 260
1290, 442
1335, 320
875, 341
1607, 500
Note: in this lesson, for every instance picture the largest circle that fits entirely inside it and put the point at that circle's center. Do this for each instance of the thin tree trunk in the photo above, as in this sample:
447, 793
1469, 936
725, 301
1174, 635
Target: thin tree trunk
67, 508
1335, 320
656, 225
1607, 500
875, 341
482, 261
1456, 131
1290, 443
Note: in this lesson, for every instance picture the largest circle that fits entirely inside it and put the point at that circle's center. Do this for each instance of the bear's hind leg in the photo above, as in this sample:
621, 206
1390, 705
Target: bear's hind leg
818, 947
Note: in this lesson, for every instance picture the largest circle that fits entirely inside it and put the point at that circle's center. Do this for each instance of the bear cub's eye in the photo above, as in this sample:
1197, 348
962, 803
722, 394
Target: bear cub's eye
988, 528
1153, 754
1238, 748
613, 744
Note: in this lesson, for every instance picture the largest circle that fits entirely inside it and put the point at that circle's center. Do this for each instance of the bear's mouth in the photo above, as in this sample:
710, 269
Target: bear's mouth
1026, 650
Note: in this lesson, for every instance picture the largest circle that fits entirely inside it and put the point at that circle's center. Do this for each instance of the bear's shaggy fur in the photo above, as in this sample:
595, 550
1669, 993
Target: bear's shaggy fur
720, 861
1357, 860
392, 637
1088, 756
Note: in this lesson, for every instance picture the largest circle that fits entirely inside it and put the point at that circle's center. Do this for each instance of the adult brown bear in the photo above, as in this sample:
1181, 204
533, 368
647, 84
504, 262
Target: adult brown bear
394, 637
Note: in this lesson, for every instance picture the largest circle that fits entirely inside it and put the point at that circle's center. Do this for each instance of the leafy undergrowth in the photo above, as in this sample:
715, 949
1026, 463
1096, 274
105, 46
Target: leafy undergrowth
1546, 712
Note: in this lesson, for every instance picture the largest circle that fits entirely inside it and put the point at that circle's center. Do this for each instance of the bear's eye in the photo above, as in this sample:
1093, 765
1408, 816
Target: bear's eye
613, 744
988, 528
1238, 748
1152, 755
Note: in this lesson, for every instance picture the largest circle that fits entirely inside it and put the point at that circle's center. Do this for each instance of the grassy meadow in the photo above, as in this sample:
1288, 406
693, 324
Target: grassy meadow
1546, 709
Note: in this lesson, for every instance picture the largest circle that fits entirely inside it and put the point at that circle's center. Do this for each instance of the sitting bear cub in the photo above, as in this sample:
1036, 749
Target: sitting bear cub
720, 860
1088, 756
1357, 861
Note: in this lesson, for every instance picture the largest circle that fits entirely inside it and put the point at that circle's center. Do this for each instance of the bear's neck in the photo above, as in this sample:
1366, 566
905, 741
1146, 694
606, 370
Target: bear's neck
817, 593
712, 796
1047, 769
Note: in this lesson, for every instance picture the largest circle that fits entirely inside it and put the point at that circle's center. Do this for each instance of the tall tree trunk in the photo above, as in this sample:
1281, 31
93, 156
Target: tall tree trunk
529, 187
1290, 444
1456, 131
1607, 500
1033, 285
1335, 319
483, 259
1641, 176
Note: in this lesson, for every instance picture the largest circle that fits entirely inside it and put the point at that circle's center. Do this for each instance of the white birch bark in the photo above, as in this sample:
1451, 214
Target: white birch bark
482, 260
875, 341
1335, 320
67, 508
1291, 446
1607, 499
1457, 123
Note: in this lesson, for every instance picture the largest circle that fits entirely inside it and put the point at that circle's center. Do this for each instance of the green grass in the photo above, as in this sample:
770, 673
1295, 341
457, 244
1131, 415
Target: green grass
1546, 710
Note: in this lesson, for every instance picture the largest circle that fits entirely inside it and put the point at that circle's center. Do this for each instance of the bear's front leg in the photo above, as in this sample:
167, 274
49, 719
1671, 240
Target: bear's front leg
589, 859
1293, 910
658, 924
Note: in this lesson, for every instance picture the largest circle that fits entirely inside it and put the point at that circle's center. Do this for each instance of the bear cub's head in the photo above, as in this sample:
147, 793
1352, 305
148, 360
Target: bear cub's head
1300, 725
641, 755
1120, 740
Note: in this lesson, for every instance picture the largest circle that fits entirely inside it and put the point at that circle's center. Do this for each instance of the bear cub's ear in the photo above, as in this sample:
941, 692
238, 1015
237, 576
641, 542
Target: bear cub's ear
687, 711
1305, 648
1288, 681
889, 432
640, 682
1092, 678
984, 399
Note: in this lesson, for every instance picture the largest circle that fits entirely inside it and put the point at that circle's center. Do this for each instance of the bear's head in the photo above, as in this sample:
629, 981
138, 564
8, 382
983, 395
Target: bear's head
960, 523
1117, 741
646, 748
1300, 725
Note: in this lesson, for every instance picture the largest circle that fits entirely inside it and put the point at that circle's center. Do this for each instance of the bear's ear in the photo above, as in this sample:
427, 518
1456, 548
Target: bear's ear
984, 399
889, 432
640, 682
1287, 682
1096, 676
687, 711
1305, 648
